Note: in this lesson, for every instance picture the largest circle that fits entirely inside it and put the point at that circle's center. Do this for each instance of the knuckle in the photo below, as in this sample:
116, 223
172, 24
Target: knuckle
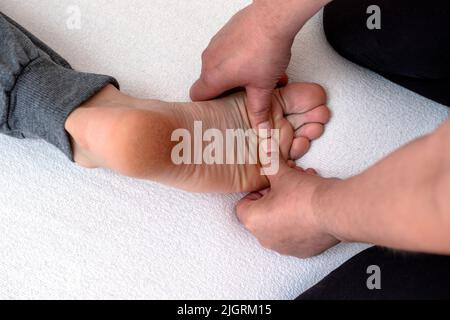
231, 68
209, 77
205, 55
258, 111
241, 215
250, 223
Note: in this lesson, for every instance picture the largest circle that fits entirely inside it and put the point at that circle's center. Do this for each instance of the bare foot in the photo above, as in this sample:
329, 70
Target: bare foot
133, 136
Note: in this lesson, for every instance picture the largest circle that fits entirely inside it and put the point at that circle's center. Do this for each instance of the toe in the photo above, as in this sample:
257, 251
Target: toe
312, 131
320, 114
303, 105
299, 147
302, 97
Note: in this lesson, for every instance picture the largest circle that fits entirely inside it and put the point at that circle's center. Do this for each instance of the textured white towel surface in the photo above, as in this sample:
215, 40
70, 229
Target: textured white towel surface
66, 232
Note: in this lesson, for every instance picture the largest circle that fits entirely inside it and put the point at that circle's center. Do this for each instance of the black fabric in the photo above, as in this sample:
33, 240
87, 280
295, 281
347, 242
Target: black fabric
412, 48
402, 275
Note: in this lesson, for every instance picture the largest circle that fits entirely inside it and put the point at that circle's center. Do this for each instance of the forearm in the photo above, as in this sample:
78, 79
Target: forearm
286, 18
401, 202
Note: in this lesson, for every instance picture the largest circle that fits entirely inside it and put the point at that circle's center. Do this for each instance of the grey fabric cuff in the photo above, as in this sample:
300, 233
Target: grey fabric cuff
45, 94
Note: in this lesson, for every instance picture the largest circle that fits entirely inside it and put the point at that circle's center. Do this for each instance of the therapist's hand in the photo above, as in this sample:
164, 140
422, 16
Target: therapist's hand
284, 218
249, 52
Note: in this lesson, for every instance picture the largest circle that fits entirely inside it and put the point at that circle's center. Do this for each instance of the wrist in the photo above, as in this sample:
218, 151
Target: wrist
285, 18
327, 209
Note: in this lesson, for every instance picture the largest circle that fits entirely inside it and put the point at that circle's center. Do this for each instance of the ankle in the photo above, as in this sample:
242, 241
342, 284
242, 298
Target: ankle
107, 96
77, 122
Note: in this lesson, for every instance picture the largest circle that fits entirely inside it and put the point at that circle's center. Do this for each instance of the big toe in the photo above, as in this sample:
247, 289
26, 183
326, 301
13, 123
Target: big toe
304, 106
302, 97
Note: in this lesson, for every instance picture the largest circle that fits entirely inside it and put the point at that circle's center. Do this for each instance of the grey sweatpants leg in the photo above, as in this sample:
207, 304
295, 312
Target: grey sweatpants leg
38, 88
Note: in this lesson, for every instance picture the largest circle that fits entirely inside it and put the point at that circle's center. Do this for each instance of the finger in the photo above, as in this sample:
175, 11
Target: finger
283, 168
247, 206
293, 165
254, 196
299, 169
311, 171
250, 198
231, 91
210, 85
269, 155
259, 102
264, 191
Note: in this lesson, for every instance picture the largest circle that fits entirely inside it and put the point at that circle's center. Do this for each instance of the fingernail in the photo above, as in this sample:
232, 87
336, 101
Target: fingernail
266, 146
265, 125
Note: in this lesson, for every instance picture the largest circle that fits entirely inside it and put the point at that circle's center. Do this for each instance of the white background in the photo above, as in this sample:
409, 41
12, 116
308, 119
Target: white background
67, 232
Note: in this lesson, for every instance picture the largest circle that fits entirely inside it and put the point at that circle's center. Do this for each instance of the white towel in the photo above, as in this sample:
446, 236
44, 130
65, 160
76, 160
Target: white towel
67, 232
